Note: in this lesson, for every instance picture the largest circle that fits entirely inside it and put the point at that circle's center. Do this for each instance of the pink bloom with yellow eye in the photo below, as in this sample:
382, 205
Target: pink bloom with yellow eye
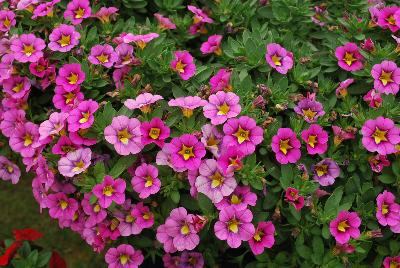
386, 77
221, 81
70, 76
154, 131
82, 116
63, 38
373, 98
105, 14
25, 139
316, 139
140, 40
187, 104
16, 86
286, 146
142, 102
221, 106
77, 10
345, 226
212, 45
67, 100
7, 20
75, 162
183, 64
146, 182
27, 48
110, 190
164, 22
103, 55
349, 57
387, 18
263, 237
279, 58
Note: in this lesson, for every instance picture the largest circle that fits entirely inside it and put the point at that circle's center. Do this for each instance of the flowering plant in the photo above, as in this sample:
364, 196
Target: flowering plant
189, 135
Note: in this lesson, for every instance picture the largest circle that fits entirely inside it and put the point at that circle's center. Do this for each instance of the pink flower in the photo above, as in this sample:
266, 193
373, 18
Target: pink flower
125, 55
60, 206
96, 214
286, 146
391, 262
221, 81
105, 13
16, 86
380, 135
187, 104
44, 9
25, 139
53, 126
142, 102
212, 45
234, 226
27, 48
7, 20
179, 226
341, 135
103, 55
199, 15
386, 77
144, 217
70, 76
146, 182
183, 64
316, 139
63, 38
230, 159
140, 40
186, 152
120, 75
341, 91
82, 116
378, 162
167, 240
242, 133
309, 109
9, 171
238, 200
67, 100
164, 23
326, 171
349, 57
110, 190
124, 256
40, 68
373, 98
263, 237
221, 106
154, 131
79, 138
214, 182
124, 133
279, 58
368, 45
292, 196
11, 120
387, 211
75, 162
387, 19
345, 226
211, 138
192, 259
77, 10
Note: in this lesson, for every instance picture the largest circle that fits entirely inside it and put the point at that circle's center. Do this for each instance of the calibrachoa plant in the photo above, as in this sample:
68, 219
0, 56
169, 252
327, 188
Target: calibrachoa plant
210, 133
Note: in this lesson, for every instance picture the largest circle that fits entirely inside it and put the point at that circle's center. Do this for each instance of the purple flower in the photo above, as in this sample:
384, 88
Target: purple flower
183, 64
9, 171
279, 58
221, 81
124, 256
103, 55
146, 182
63, 38
77, 10
60, 206
386, 77
75, 162
154, 131
316, 139
25, 139
221, 106
187, 104
82, 116
110, 190
70, 76
286, 146
212, 45
326, 171
345, 226
142, 102
349, 57
27, 48
310, 109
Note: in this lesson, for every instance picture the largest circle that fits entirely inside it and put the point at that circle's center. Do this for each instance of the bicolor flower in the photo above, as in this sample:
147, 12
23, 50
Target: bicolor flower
60, 206
110, 190
326, 171
309, 109
183, 64
349, 57
103, 55
27, 48
154, 131
286, 146
77, 10
63, 38
263, 237
146, 182
16, 86
221, 106
75, 162
345, 226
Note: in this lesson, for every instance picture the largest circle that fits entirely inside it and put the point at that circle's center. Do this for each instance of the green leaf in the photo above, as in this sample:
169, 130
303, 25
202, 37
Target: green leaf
205, 204
332, 204
286, 176
99, 171
175, 196
122, 165
44, 258
387, 178
318, 250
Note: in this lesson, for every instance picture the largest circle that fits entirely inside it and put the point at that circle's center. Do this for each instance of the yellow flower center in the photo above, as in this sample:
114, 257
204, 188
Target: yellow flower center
7, 22
349, 58
114, 224
103, 58
63, 204
394, 264
187, 112
126, 58
385, 209
154, 133
10, 169
69, 97
129, 218
124, 136
235, 199
18, 87
284, 146
386, 77
28, 140
212, 141
233, 162
216, 180
78, 166
223, 109
321, 170
73, 78
180, 67
312, 140
277, 60
186, 152
233, 226
149, 181
79, 13
342, 226
97, 208
28, 50
145, 109
123, 259
65, 40
185, 229
218, 51
67, 148
108, 190
258, 236
242, 135
141, 44
391, 20
147, 215
310, 114
379, 135
85, 117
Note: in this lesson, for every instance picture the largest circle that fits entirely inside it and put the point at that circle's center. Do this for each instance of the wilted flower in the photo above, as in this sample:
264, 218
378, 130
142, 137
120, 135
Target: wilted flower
377, 162
292, 196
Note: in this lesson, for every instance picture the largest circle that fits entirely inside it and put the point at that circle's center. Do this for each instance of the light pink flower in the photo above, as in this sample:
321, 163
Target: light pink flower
146, 182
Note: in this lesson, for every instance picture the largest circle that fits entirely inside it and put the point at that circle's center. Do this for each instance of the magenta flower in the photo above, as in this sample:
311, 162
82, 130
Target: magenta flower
292, 196
125, 55
316, 139
242, 133
286, 146
77, 10
221, 81
341, 135
349, 57
75, 162
386, 77
391, 262
186, 152
16, 86
387, 19
44, 9
387, 211
103, 55
212, 45
67, 100
82, 116
230, 159
9, 171
25, 139
142, 102
63, 38
164, 22
105, 14
211, 138
179, 226
27, 48
368, 45
345, 226
11, 120
7, 20
309, 109
187, 104
341, 91
110, 190
70, 76
165, 239
40, 68
378, 162
154, 131
263, 237
221, 106
326, 171
213, 182
234, 226
199, 15
140, 40
192, 259
124, 256
96, 214
373, 98
60, 206
380, 135
279, 58
146, 182
183, 64
124, 133
53, 126
239, 199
